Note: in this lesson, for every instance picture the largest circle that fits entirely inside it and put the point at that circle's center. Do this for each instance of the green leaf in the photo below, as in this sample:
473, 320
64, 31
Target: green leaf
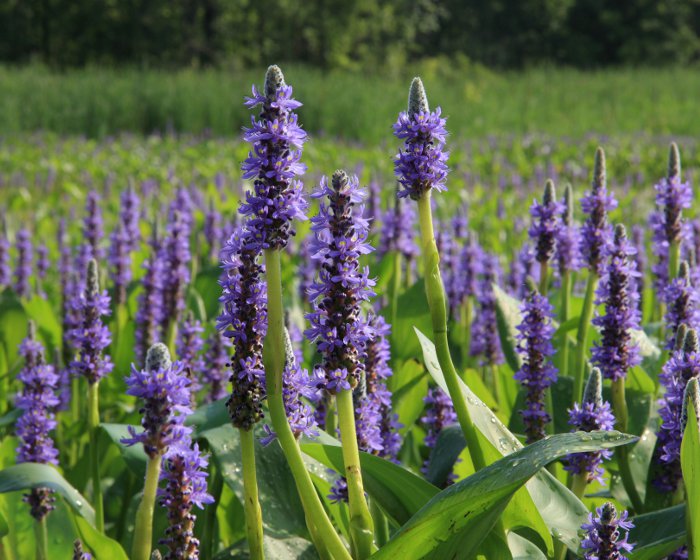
99, 544
690, 464
472, 506
4, 526
562, 512
449, 445
13, 326
399, 492
658, 533
523, 549
35, 475
412, 309
134, 455
209, 416
10, 418
409, 385
47, 324
507, 318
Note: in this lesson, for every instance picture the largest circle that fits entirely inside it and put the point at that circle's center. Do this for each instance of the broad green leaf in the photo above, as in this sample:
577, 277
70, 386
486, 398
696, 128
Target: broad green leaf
523, 549
507, 318
209, 416
658, 533
651, 354
562, 512
4, 526
449, 445
399, 492
134, 455
412, 309
47, 324
287, 548
35, 475
99, 544
690, 464
472, 506
10, 418
13, 326
409, 385
207, 285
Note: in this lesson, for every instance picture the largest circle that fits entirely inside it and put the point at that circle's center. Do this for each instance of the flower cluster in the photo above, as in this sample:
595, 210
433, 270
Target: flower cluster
216, 358
189, 349
78, 552
5, 270
439, 414
212, 230
640, 259
568, 237
537, 372
470, 266
23, 271
119, 259
592, 414
681, 299
604, 534
397, 232
129, 216
596, 232
184, 470
616, 353
522, 268
244, 320
336, 323
485, 341
164, 389
149, 314
683, 366
422, 163
91, 336
545, 223
37, 401
92, 229
274, 162
176, 258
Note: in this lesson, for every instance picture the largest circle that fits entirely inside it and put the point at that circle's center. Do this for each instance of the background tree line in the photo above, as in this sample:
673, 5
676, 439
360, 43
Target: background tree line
349, 33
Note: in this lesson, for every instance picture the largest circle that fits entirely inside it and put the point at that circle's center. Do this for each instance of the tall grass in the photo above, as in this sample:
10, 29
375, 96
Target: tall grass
98, 102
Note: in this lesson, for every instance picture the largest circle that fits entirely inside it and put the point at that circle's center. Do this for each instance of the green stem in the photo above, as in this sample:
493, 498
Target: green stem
93, 427
253, 513
620, 408
395, 287
579, 483
143, 529
544, 277
566, 284
75, 415
274, 357
171, 337
209, 538
582, 336
42, 539
674, 260
361, 524
381, 524
331, 426
435, 293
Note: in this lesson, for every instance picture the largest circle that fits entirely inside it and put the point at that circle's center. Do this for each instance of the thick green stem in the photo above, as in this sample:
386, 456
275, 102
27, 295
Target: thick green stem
620, 408
320, 525
42, 539
143, 528
674, 259
361, 524
435, 293
253, 513
209, 538
579, 483
93, 427
582, 336
381, 524
565, 312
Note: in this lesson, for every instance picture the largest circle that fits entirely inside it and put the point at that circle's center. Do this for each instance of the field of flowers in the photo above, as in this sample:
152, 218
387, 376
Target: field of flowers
283, 346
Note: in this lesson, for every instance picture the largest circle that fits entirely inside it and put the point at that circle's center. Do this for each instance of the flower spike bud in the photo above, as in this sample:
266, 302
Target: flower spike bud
690, 343
599, 172
93, 279
674, 161
620, 234
289, 357
684, 272
158, 357
680, 337
155, 555
274, 80
417, 99
568, 215
31, 330
549, 195
593, 393
339, 180
691, 397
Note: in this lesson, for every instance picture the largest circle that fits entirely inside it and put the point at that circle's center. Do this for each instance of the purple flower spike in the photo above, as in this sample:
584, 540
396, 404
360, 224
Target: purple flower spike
545, 223
92, 229
537, 372
485, 341
37, 401
596, 232
273, 164
215, 372
683, 366
212, 230
615, 354
681, 304
43, 261
568, 250
164, 389
5, 270
605, 539
189, 349
640, 259
130, 217
244, 320
336, 324
23, 271
184, 470
176, 258
421, 164
397, 232
470, 266
91, 336
522, 268
591, 415
119, 259
439, 414
149, 315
